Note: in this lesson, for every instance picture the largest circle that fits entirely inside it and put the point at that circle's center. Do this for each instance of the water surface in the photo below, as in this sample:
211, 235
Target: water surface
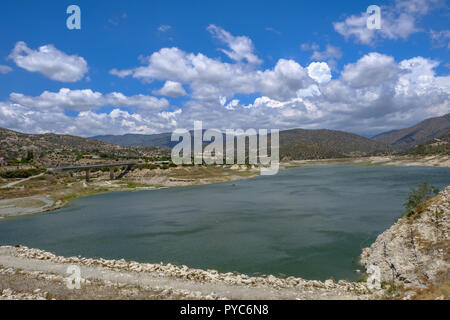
309, 222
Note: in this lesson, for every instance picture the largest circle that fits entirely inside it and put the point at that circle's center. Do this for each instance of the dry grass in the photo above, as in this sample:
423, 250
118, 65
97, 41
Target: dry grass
441, 291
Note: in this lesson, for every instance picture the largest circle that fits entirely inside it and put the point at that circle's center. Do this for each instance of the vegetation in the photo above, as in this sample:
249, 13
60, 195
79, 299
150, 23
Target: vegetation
418, 196
437, 146
21, 173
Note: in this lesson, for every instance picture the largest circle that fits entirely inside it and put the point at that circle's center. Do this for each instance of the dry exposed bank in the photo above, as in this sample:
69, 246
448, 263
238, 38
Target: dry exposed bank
401, 161
31, 273
52, 191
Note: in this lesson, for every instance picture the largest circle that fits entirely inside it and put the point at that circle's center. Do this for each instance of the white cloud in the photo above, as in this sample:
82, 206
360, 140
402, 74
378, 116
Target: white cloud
121, 73
330, 52
373, 94
171, 89
363, 100
5, 69
398, 21
49, 61
308, 47
164, 28
372, 69
440, 38
320, 72
241, 47
209, 78
86, 100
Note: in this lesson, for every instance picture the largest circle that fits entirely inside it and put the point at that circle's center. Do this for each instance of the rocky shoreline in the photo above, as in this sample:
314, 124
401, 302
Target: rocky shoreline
180, 281
414, 253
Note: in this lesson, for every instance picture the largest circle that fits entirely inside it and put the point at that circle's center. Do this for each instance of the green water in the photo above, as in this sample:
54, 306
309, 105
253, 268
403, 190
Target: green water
308, 222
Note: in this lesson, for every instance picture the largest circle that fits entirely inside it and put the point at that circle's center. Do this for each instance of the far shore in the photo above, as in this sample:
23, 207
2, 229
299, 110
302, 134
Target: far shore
44, 193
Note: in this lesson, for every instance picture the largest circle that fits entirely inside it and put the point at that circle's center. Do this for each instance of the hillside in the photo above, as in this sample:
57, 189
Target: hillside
301, 144
294, 144
420, 133
128, 140
414, 253
51, 148
437, 146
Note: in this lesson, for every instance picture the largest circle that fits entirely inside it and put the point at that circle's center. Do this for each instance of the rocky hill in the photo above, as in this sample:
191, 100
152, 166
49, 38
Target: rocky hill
299, 144
48, 148
420, 133
414, 253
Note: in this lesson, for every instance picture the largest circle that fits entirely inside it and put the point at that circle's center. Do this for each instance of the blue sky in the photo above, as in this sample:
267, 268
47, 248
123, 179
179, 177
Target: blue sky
153, 66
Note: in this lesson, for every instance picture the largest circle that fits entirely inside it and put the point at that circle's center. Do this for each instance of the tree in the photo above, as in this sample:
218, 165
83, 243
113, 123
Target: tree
418, 196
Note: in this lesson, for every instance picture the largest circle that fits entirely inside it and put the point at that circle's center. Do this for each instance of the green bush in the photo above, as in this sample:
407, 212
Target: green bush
21, 173
418, 196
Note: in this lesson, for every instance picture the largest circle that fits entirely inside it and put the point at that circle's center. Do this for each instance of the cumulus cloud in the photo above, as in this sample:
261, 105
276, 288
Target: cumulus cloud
86, 100
320, 72
241, 47
398, 21
372, 69
171, 89
86, 123
49, 61
5, 69
373, 94
211, 78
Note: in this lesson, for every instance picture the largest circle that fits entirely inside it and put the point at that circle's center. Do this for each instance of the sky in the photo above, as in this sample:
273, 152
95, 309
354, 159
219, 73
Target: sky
155, 66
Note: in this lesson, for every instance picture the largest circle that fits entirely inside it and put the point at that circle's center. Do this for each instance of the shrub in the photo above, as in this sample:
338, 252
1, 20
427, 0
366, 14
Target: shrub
418, 196
21, 173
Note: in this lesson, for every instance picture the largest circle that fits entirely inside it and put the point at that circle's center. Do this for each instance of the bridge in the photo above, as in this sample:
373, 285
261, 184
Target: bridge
88, 168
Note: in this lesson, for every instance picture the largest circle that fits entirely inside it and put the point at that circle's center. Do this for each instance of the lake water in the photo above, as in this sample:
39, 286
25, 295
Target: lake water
309, 222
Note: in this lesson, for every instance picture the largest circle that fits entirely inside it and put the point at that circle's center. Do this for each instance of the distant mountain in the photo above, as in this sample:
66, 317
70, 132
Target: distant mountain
420, 133
128, 140
321, 144
294, 144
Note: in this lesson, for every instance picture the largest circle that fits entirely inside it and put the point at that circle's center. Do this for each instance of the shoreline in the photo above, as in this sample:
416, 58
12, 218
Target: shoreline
181, 281
239, 174
22, 268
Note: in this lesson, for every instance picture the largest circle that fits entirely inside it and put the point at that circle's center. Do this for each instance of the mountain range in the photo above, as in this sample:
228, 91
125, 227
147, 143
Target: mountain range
428, 136
294, 144
420, 133
314, 144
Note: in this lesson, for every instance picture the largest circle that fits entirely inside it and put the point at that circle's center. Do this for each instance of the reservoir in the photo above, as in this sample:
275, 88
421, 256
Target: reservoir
309, 222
